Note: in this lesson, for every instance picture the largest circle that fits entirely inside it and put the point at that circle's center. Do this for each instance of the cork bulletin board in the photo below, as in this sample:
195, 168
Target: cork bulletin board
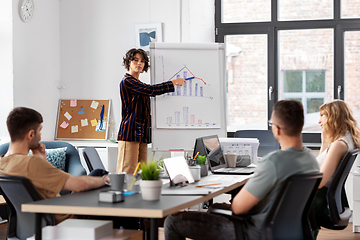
83, 119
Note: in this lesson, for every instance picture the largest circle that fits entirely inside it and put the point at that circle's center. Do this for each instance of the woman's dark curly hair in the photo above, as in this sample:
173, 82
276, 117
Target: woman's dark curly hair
130, 55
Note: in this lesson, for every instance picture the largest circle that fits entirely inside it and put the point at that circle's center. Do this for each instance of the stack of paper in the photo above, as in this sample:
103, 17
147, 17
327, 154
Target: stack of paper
78, 229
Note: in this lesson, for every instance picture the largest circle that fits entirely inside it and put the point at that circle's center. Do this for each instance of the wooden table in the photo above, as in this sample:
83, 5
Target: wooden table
86, 203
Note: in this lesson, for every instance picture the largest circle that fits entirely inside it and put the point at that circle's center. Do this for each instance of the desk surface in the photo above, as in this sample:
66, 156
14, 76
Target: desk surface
86, 203
228, 183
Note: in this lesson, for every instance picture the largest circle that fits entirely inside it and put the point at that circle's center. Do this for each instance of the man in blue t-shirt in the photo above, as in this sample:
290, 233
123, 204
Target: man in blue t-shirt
286, 122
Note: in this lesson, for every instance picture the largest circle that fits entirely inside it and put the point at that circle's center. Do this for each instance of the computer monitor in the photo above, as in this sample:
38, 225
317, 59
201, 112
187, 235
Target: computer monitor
210, 147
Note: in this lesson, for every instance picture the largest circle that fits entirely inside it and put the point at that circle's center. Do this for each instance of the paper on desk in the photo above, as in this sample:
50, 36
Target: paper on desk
177, 166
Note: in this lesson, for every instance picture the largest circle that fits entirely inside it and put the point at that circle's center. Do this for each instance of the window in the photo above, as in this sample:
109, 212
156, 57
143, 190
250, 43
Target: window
308, 87
245, 11
305, 9
246, 86
312, 55
352, 71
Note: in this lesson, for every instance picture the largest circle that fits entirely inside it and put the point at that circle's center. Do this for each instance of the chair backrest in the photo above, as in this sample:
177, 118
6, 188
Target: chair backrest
287, 216
18, 190
267, 141
3, 148
339, 210
92, 158
73, 163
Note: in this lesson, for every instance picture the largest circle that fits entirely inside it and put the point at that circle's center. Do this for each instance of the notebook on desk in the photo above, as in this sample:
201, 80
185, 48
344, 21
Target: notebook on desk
210, 146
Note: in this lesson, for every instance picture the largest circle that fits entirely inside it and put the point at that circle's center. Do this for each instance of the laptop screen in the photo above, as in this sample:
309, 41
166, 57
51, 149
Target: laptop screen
214, 152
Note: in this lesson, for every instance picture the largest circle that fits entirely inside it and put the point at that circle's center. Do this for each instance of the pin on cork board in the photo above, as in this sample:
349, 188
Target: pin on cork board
83, 119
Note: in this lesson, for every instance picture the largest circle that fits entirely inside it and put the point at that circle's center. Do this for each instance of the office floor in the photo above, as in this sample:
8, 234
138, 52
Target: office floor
324, 234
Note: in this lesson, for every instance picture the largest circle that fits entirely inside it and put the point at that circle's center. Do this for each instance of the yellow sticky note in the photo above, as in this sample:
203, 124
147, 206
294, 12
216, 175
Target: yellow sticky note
93, 122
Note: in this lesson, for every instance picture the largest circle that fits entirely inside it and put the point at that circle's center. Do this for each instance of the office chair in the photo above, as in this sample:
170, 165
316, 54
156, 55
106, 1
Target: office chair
287, 216
339, 211
72, 163
266, 139
18, 190
92, 159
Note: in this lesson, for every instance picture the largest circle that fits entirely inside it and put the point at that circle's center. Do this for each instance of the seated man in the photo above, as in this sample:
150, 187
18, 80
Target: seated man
24, 126
286, 122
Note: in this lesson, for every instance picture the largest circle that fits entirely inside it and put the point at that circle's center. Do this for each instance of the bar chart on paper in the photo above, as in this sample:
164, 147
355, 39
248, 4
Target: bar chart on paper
193, 105
197, 108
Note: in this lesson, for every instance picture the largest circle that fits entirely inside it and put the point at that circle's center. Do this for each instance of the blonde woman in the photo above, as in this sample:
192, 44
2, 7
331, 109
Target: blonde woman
339, 135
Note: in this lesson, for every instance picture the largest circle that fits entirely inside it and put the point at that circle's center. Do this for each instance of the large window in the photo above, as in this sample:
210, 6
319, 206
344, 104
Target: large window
311, 49
244, 85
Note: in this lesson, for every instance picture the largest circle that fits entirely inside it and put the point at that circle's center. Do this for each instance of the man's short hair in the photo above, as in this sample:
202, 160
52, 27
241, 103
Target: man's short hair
290, 114
21, 120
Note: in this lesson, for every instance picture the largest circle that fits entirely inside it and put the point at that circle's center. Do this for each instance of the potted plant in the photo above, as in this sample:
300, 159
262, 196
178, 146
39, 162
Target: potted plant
150, 184
202, 161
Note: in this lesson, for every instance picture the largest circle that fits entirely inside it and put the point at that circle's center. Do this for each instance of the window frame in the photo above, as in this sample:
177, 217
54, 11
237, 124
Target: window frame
272, 28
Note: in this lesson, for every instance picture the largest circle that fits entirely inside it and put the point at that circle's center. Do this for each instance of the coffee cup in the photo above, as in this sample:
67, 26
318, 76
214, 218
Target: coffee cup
116, 181
195, 172
231, 159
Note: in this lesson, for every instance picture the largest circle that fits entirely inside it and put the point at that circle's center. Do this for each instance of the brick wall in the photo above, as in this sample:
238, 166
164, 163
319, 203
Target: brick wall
299, 50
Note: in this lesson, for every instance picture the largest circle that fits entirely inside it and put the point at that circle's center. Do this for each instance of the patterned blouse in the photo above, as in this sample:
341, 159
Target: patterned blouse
135, 96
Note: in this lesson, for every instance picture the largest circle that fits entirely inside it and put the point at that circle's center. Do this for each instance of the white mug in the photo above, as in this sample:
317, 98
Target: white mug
231, 159
195, 172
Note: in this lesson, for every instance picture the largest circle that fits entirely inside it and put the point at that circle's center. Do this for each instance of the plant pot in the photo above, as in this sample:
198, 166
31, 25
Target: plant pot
151, 189
204, 170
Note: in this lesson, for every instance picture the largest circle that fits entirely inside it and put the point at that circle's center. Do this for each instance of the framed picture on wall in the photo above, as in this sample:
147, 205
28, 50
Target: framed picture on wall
147, 33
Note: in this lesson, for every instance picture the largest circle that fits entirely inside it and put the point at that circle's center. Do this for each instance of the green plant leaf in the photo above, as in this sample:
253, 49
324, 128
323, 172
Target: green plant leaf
201, 160
150, 170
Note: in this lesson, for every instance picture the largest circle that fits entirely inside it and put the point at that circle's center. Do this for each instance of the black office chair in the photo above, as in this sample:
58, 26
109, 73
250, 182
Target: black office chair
287, 216
92, 159
339, 211
267, 141
18, 190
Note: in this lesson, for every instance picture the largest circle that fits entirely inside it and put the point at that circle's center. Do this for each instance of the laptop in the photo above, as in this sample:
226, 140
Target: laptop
210, 146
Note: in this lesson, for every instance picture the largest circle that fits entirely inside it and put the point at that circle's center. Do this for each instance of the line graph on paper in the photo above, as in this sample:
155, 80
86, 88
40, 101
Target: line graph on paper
195, 104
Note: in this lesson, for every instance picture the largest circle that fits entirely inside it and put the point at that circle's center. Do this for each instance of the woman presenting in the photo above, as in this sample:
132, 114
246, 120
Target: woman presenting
135, 127
340, 134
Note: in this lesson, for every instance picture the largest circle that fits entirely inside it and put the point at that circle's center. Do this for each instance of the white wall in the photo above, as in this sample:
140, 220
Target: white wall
95, 36
6, 65
74, 48
36, 61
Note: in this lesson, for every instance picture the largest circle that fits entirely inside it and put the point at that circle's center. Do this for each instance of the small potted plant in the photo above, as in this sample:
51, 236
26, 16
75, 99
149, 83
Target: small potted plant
202, 161
150, 184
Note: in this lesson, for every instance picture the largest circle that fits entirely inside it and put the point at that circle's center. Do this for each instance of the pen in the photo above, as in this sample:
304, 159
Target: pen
205, 185
133, 177
194, 158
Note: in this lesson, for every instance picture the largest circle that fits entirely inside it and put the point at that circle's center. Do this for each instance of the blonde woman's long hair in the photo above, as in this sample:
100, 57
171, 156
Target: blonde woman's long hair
340, 119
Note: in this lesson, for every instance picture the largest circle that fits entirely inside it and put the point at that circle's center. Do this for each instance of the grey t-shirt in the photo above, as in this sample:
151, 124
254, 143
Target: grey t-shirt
273, 169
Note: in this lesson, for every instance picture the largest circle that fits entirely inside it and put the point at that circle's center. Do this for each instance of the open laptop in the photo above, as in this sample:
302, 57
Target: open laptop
210, 146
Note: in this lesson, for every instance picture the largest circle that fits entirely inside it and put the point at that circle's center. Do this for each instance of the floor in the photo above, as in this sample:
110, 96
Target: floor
345, 234
324, 234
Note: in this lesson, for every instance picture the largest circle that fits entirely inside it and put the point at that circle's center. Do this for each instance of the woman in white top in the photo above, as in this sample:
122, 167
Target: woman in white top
339, 135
